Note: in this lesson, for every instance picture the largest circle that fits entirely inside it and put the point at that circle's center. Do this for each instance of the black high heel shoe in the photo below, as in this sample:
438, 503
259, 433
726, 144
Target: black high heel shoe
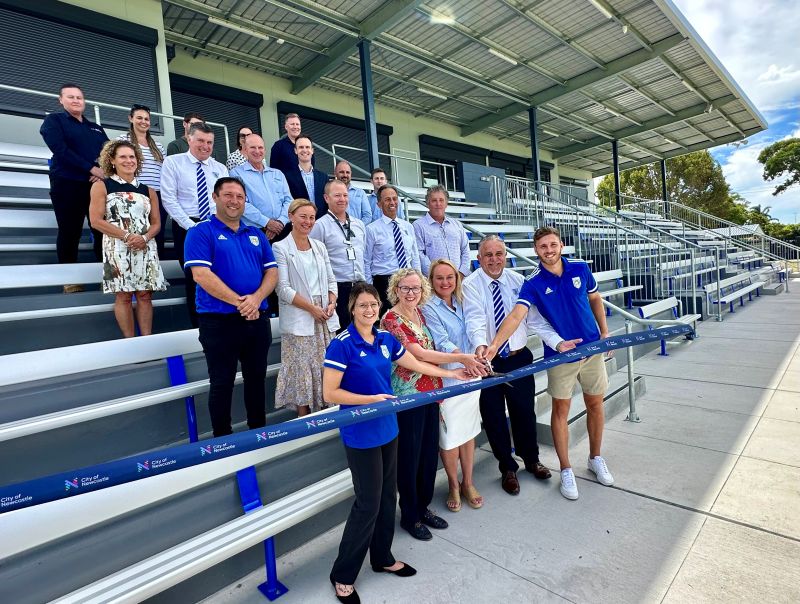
352, 598
404, 571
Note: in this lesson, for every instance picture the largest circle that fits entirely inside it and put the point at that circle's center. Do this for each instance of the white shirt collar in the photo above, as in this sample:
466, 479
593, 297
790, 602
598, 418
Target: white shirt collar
194, 160
122, 181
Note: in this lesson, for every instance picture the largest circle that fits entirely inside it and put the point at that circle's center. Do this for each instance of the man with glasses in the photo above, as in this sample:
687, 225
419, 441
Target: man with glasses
440, 236
390, 244
357, 203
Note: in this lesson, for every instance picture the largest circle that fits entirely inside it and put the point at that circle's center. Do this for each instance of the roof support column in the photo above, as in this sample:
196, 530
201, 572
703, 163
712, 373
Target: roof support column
615, 155
533, 125
369, 103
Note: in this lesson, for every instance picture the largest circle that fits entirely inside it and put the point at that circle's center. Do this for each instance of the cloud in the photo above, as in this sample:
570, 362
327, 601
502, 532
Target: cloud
756, 42
779, 75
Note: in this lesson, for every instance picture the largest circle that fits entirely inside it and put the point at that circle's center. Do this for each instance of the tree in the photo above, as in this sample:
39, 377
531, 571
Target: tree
779, 159
695, 180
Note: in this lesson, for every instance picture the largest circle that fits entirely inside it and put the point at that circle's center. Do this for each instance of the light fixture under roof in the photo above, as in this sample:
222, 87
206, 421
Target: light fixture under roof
550, 132
505, 57
239, 28
432, 93
601, 6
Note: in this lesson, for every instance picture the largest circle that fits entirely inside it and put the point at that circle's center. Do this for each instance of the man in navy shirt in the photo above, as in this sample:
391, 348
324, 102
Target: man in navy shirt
76, 143
565, 293
235, 271
282, 156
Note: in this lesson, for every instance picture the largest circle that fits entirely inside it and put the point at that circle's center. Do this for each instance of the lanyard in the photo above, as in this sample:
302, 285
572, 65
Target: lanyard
346, 230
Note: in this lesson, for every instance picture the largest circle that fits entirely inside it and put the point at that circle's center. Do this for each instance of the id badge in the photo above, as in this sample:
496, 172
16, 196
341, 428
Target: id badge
351, 253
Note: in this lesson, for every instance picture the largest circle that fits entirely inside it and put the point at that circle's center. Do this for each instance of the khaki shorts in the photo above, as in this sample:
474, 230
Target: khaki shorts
591, 373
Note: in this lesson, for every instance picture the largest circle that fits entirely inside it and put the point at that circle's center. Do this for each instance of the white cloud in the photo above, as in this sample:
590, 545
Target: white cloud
757, 42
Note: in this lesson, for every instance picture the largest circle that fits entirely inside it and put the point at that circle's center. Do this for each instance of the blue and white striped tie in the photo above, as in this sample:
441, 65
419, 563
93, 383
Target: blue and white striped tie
499, 314
402, 261
202, 193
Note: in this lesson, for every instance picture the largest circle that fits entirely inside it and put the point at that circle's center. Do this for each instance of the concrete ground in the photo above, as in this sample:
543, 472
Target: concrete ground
705, 508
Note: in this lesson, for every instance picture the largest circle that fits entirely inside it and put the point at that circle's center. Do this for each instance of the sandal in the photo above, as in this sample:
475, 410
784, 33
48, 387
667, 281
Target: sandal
454, 501
473, 497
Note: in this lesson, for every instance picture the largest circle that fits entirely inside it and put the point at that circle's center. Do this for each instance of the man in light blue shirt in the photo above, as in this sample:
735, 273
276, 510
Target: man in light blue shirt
390, 244
357, 202
440, 236
268, 195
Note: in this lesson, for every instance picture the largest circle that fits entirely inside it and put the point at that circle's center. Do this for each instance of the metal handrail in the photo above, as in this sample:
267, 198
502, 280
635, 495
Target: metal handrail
726, 223
98, 104
394, 157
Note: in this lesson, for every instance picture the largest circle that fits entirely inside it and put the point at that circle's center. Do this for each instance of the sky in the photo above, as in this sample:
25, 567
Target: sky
758, 42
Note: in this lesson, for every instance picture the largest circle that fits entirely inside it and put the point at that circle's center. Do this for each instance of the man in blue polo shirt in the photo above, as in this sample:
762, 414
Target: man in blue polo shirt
235, 271
565, 293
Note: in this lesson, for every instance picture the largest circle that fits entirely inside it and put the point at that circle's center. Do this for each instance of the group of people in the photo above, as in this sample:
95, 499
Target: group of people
369, 306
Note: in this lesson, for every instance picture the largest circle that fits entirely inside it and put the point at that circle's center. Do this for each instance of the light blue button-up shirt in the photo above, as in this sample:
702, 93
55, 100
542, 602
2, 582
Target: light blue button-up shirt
448, 328
380, 257
268, 195
447, 240
358, 205
308, 179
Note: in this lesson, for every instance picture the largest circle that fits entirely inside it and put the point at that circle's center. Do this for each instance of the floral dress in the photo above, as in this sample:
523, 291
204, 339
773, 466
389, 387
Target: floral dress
404, 381
124, 269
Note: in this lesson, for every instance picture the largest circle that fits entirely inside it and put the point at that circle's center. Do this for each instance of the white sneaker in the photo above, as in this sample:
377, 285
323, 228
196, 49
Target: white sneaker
598, 466
569, 488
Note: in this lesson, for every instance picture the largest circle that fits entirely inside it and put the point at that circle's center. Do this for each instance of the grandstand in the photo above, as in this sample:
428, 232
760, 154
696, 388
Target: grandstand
515, 107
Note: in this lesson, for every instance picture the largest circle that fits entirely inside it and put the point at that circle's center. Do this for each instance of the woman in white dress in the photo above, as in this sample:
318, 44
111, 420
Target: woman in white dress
460, 420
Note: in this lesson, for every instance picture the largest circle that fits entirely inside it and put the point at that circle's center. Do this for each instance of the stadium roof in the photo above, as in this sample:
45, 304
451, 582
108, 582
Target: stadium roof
598, 70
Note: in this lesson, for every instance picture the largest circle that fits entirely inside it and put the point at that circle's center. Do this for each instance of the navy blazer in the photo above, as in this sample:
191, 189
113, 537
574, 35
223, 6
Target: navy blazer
297, 187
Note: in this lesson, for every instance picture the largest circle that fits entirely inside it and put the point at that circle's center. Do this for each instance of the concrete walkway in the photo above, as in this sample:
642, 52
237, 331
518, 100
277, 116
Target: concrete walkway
706, 505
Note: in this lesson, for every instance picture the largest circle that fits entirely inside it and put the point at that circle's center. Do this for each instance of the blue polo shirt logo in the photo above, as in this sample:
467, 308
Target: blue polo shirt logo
254, 240
385, 351
576, 281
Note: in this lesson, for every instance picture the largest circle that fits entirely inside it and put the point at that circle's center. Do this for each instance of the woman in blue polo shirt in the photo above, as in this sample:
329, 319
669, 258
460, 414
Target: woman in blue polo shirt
357, 371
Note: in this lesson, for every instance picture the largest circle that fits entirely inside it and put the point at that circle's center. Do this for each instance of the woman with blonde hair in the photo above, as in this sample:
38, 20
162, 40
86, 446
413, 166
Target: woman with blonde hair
127, 213
460, 415
418, 442
307, 297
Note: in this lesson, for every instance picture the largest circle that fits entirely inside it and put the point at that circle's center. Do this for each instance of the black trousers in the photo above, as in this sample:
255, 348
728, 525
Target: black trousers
227, 340
519, 397
370, 525
179, 237
71, 206
418, 455
381, 283
344, 288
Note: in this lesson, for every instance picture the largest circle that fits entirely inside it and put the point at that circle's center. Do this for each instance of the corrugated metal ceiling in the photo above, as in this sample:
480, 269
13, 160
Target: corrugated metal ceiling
565, 47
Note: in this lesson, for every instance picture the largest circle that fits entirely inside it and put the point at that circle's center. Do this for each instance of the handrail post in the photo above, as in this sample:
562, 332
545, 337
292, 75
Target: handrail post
694, 281
632, 415
719, 291
177, 377
97, 115
251, 500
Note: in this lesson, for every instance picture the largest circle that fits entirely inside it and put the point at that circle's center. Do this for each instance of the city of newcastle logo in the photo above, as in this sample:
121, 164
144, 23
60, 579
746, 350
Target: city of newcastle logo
362, 412
211, 449
71, 484
143, 467
319, 423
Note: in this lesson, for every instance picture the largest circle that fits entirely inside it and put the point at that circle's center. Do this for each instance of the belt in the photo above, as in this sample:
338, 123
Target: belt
517, 351
195, 219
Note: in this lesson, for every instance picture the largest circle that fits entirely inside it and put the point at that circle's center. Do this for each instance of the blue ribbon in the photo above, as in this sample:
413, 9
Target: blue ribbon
137, 467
